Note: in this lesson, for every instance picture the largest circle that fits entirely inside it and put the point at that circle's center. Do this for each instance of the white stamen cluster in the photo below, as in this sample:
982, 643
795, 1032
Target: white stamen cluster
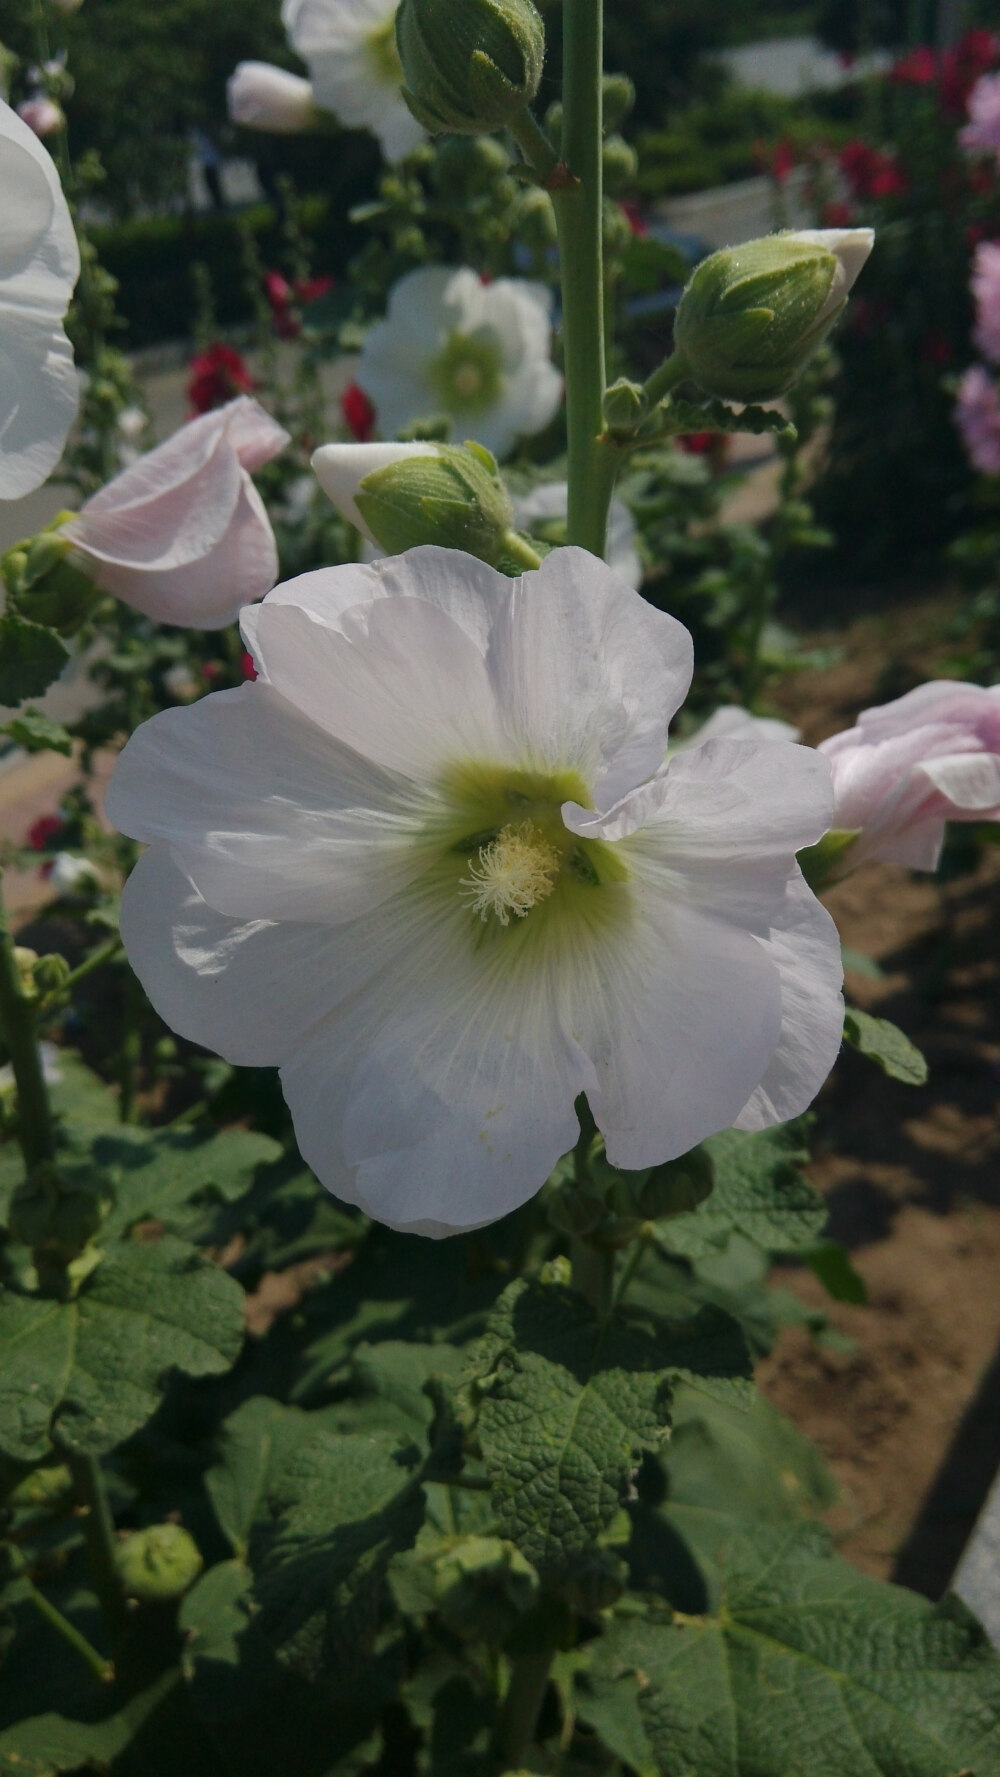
515, 871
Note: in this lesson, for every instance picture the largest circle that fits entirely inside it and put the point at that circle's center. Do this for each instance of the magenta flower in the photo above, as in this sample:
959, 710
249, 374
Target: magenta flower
981, 134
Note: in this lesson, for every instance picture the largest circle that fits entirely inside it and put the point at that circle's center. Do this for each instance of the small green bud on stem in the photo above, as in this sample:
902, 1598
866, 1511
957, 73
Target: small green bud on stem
157, 1565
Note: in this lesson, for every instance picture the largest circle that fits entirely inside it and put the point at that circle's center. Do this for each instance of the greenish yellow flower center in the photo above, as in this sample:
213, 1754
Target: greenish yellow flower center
383, 56
467, 374
506, 855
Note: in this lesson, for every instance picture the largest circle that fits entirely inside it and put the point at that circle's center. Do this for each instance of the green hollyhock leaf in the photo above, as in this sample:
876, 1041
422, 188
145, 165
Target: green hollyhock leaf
885, 1044
342, 1507
86, 1374
36, 733
754, 1464
255, 1443
807, 1669
830, 1262
759, 1192
30, 658
48, 1745
714, 416
570, 1404
172, 1175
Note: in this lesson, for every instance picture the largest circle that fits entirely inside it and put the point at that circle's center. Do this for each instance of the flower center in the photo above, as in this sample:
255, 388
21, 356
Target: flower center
515, 871
466, 375
383, 56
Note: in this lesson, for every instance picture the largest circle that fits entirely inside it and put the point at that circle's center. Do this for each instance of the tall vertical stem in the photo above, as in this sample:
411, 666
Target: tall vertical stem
35, 1129
98, 1529
579, 212
522, 1705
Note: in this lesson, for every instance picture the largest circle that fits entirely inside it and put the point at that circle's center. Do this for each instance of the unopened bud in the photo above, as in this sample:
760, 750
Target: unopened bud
406, 495
624, 407
469, 65
617, 229
45, 582
158, 1564
51, 973
262, 97
619, 98
57, 1210
752, 316
469, 168
26, 960
535, 223
621, 164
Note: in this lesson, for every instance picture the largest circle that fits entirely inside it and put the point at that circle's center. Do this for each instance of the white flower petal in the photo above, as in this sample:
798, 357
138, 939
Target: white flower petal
588, 674
805, 947
970, 780
350, 827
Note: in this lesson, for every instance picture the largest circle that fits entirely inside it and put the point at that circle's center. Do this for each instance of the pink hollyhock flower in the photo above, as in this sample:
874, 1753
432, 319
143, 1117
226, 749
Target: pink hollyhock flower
977, 416
907, 767
217, 376
986, 290
182, 535
981, 134
964, 66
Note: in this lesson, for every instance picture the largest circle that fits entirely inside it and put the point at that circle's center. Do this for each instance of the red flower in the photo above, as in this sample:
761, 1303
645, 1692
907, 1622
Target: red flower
287, 299
311, 289
42, 831
358, 412
961, 67
635, 219
869, 172
217, 376
837, 215
782, 160
918, 68
247, 667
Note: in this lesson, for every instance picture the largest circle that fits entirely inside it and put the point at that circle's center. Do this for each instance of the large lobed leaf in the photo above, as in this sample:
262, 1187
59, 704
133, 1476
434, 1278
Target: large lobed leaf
759, 1192
808, 1669
570, 1404
87, 1373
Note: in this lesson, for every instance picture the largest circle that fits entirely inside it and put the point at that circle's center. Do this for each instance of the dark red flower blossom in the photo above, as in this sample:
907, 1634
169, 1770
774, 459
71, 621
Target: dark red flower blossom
41, 832
918, 68
869, 172
247, 667
782, 160
961, 67
358, 412
217, 376
837, 215
286, 300
636, 220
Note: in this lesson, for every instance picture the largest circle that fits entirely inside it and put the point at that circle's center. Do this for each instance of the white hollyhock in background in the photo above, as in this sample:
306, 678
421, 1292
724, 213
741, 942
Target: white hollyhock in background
432, 864
262, 97
39, 265
481, 354
542, 513
182, 534
349, 47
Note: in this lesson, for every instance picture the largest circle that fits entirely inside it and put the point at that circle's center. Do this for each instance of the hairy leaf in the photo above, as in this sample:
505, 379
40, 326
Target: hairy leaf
808, 1668
86, 1374
885, 1044
715, 416
47, 1745
570, 1404
169, 1175
343, 1505
37, 733
30, 658
255, 1443
759, 1192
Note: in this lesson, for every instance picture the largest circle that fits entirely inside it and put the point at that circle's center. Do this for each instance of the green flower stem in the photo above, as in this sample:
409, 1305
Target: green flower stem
578, 200
663, 381
102, 1669
522, 1706
18, 1015
534, 144
594, 1274
98, 1529
520, 550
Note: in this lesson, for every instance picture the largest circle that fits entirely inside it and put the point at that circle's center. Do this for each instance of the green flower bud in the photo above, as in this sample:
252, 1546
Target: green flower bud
482, 1586
624, 408
619, 98
46, 584
51, 973
752, 316
26, 960
158, 1564
535, 223
448, 494
468, 169
44, 1487
617, 229
470, 65
57, 1210
621, 163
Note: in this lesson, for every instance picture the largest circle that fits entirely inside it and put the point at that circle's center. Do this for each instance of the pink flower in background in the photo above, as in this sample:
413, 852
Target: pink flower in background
986, 290
41, 114
977, 415
182, 535
907, 767
981, 134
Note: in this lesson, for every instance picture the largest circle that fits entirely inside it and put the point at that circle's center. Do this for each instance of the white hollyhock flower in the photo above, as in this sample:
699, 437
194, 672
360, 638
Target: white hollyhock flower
433, 866
263, 97
547, 505
349, 47
731, 722
479, 353
39, 265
